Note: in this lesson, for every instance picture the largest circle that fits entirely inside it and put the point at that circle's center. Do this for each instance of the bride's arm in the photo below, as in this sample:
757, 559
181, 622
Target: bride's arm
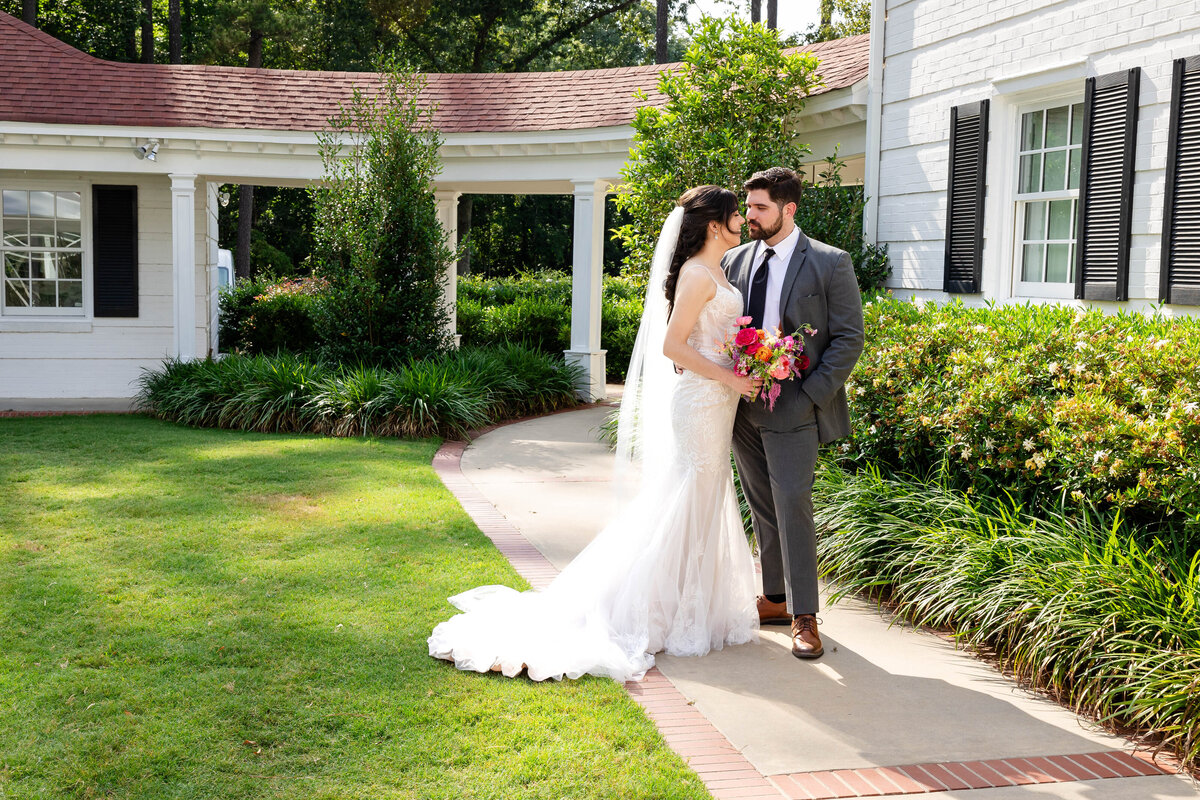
694, 289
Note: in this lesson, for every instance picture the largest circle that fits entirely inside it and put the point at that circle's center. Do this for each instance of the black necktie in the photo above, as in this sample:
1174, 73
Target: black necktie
758, 291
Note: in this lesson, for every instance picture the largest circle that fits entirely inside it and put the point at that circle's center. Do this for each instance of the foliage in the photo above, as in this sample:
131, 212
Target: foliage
519, 35
1071, 603
266, 317
832, 213
216, 614
377, 239
726, 116
446, 395
840, 18
536, 309
1053, 403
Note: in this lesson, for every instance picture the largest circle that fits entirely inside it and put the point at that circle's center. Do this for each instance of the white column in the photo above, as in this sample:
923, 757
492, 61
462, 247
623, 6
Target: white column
447, 211
587, 272
183, 262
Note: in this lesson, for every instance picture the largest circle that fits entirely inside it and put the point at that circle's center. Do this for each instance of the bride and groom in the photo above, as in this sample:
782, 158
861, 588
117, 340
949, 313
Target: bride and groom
673, 572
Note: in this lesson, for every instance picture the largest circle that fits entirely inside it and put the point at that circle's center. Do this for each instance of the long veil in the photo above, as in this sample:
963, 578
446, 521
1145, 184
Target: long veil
645, 439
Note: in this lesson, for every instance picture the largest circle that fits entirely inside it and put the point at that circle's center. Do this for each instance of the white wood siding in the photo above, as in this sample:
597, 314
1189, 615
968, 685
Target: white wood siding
104, 357
942, 53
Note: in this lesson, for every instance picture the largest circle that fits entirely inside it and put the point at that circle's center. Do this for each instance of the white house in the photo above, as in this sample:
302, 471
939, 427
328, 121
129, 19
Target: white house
1026, 150
110, 254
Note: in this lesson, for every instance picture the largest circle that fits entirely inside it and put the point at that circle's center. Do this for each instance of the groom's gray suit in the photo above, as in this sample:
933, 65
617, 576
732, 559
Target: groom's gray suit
776, 451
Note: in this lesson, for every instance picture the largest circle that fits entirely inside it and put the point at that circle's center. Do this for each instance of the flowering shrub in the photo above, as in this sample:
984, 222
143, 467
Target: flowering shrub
1051, 403
268, 317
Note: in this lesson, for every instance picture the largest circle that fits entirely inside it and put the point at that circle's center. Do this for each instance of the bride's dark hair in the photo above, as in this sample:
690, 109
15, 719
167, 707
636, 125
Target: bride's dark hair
701, 205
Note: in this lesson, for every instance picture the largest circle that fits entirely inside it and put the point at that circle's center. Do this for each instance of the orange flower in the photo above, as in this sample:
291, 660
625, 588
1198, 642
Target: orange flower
763, 354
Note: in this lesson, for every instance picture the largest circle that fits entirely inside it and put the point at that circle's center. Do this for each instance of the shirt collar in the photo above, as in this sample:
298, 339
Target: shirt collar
786, 247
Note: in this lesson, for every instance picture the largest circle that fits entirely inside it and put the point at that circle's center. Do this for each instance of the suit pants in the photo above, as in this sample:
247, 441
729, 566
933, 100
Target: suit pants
776, 469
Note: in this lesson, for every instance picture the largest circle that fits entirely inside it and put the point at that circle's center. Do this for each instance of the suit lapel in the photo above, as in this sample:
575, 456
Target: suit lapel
793, 272
743, 276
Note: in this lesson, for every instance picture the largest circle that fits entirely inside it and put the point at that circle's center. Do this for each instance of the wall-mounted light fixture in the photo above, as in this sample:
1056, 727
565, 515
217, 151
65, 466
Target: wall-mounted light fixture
148, 151
223, 198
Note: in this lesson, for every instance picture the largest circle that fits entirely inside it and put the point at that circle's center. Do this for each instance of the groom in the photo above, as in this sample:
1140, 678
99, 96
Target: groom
789, 281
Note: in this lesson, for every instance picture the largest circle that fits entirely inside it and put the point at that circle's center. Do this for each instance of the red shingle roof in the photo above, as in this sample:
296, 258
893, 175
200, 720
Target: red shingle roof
45, 80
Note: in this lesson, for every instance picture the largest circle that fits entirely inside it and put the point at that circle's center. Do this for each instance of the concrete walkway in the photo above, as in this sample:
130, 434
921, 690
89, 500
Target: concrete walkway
888, 710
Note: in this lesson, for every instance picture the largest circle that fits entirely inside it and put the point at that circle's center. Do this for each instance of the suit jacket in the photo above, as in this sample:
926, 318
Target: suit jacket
820, 290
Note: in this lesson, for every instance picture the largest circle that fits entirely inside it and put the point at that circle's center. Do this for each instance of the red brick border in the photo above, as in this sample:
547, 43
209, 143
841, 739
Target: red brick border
944, 777
725, 771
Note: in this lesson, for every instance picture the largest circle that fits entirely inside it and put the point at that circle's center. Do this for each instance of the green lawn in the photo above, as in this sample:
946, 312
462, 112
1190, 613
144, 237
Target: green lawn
213, 614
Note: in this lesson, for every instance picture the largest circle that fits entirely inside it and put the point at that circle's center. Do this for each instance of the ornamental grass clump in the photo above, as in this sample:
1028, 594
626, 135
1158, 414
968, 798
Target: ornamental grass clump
441, 395
1075, 604
1051, 403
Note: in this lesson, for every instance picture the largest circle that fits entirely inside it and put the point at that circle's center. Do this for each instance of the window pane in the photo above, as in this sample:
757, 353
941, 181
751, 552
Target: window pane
1077, 123
1073, 170
1035, 221
16, 231
16, 265
70, 294
42, 266
16, 294
1056, 126
68, 233
16, 204
45, 294
1032, 269
41, 233
41, 204
68, 205
1058, 263
1031, 173
70, 266
1031, 130
1055, 179
1060, 219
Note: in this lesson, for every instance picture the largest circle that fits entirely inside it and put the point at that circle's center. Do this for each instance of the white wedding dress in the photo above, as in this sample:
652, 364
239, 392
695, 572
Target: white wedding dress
673, 572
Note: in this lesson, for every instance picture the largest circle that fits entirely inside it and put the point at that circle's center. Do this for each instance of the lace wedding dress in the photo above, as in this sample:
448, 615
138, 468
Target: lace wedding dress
673, 572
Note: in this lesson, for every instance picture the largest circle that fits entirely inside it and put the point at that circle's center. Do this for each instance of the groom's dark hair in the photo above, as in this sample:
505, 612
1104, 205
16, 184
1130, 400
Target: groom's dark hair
782, 184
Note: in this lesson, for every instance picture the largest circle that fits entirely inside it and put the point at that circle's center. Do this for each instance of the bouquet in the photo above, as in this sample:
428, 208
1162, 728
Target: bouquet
771, 357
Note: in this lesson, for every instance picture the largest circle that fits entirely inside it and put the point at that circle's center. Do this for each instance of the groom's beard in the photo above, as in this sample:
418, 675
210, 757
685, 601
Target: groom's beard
759, 231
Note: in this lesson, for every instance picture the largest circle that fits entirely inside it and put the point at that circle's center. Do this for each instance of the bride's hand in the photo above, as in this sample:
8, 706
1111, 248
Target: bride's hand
746, 386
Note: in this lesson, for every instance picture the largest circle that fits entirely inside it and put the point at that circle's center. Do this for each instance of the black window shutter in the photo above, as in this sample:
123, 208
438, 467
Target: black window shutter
1110, 105
964, 200
114, 251
1179, 273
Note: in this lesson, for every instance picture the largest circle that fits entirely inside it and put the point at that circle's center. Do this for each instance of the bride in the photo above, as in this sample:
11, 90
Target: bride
673, 571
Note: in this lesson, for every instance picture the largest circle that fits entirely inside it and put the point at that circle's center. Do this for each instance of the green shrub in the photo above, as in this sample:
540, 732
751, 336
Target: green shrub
235, 304
539, 323
1074, 604
446, 394
376, 235
265, 317
535, 308
1050, 402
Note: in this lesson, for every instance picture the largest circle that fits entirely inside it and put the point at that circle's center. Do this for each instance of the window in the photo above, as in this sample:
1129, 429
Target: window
41, 243
1049, 164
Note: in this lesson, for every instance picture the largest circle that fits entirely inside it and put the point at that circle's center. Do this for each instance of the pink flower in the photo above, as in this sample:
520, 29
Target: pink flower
745, 336
753, 346
744, 320
772, 396
779, 372
789, 342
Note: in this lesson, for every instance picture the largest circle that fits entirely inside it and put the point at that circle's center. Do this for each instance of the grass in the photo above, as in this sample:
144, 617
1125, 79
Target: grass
1074, 604
209, 613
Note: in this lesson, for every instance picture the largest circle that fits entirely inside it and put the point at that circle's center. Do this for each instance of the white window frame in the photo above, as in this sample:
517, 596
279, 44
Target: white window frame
83, 313
1021, 287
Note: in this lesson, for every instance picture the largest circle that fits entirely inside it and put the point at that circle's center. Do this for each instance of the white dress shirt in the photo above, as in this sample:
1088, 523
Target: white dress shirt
777, 269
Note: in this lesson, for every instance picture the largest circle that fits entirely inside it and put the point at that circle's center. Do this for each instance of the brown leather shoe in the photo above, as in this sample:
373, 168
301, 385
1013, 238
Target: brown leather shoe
772, 613
806, 642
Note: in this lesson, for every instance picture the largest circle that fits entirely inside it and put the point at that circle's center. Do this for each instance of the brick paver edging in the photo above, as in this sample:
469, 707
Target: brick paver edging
725, 771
